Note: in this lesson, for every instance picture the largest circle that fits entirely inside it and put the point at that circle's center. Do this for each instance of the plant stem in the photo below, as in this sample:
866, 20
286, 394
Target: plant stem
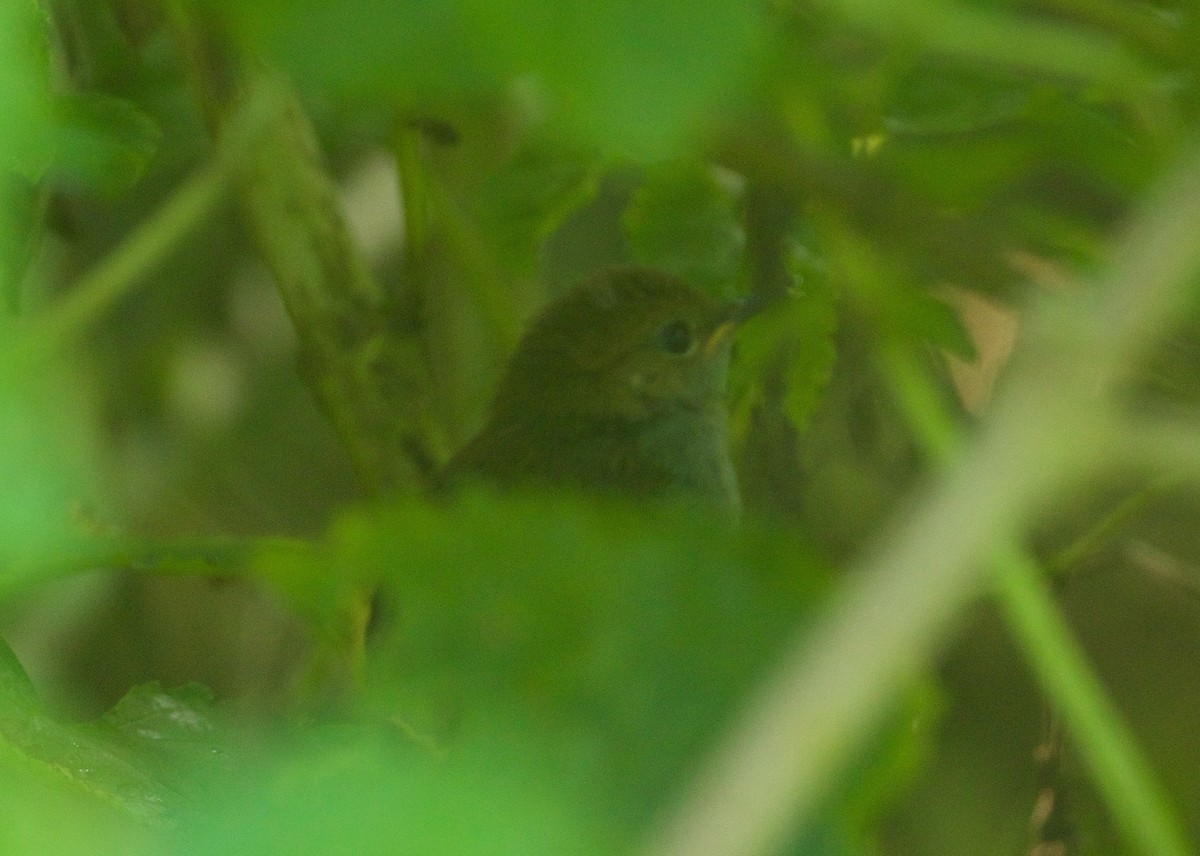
127, 266
1113, 523
1119, 770
1047, 430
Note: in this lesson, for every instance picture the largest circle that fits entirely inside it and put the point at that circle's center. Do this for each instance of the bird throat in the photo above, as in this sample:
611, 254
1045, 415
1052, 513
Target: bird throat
691, 447
682, 453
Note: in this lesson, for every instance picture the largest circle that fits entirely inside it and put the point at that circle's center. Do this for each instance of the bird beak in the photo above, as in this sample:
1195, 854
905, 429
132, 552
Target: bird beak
731, 319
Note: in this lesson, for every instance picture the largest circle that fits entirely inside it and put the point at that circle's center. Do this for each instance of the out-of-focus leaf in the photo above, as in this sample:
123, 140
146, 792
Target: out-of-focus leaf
1168, 374
988, 34
685, 219
45, 458
374, 797
623, 636
884, 291
145, 757
1092, 142
24, 89
21, 204
524, 201
965, 140
882, 768
632, 76
16, 690
326, 591
960, 174
25, 137
933, 319
413, 52
101, 143
943, 101
47, 814
793, 341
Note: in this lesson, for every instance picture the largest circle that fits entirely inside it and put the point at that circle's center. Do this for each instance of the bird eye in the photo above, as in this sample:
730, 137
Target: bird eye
675, 337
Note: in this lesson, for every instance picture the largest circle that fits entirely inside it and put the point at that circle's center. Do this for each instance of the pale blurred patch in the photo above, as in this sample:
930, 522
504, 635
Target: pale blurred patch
257, 318
371, 201
207, 386
993, 330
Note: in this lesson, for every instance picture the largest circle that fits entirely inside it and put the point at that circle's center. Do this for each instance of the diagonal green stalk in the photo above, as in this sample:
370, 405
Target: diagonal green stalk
1046, 431
129, 264
211, 557
1119, 769
1116, 521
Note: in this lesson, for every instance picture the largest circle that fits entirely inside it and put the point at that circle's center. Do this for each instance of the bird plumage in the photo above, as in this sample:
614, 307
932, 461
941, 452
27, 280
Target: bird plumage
618, 387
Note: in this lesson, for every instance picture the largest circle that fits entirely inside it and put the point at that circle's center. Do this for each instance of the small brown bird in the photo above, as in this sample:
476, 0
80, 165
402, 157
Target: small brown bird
619, 388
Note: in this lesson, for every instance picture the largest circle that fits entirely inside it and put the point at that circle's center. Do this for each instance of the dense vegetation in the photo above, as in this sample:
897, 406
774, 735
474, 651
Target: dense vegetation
261, 262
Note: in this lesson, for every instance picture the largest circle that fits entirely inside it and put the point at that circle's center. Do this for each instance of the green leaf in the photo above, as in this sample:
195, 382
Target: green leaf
685, 219
375, 797
932, 100
176, 736
102, 143
17, 694
21, 206
24, 89
623, 636
45, 448
934, 320
141, 761
634, 77
74, 757
25, 137
326, 591
47, 814
997, 37
524, 201
792, 340
883, 767
414, 52
884, 289
628, 76
961, 174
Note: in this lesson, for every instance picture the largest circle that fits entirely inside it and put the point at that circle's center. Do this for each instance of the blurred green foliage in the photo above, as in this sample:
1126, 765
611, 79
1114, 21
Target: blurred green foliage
621, 640
545, 675
682, 218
